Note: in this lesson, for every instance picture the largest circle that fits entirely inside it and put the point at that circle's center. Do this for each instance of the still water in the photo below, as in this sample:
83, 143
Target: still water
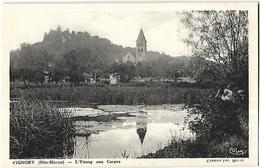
138, 133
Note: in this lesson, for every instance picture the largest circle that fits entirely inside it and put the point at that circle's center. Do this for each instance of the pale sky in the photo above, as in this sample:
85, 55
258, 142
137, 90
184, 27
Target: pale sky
162, 29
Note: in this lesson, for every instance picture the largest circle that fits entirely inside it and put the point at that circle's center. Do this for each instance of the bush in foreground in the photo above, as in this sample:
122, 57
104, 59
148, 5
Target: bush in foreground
221, 129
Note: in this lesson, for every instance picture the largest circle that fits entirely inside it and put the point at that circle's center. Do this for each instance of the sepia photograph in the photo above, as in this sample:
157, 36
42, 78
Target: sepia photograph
129, 83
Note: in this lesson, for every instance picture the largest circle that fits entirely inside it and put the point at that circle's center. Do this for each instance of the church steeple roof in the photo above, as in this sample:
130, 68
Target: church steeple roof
141, 36
141, 133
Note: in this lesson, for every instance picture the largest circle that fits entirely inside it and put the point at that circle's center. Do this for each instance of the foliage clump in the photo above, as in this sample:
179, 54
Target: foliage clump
38, 130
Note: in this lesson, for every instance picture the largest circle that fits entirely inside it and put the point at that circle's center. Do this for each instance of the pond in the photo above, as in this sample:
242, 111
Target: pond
131, 132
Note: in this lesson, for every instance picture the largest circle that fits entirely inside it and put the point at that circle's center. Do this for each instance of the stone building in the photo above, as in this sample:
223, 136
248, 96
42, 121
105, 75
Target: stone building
128, 58
138, 56
114, 78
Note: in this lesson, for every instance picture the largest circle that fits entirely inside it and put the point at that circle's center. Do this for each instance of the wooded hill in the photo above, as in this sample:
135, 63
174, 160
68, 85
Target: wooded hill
69, 50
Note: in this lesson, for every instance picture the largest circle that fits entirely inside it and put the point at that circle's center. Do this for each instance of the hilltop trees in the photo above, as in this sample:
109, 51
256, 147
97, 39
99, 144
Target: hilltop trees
72, 65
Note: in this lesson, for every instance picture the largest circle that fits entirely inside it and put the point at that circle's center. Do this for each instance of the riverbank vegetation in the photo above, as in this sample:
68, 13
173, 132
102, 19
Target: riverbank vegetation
220, 121
38, 130
221, 130
123, 95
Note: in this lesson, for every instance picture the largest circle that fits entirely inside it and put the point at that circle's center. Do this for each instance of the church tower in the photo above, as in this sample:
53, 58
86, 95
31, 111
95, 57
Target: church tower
141, 47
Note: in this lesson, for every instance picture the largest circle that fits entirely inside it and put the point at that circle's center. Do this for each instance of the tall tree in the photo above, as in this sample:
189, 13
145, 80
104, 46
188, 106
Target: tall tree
221, 37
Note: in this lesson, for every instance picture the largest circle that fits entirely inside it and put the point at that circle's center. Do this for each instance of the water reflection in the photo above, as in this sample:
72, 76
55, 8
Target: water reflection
141, 125
132, 137
88, 145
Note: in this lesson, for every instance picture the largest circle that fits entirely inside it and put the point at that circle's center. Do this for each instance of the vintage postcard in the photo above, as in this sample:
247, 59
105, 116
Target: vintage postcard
129, 84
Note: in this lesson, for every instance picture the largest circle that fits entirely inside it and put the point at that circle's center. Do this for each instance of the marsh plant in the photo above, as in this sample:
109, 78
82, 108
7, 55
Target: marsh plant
124, 95
39, 130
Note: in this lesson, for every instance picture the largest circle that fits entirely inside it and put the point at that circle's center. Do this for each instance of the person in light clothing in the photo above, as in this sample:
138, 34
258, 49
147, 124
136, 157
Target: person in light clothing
227, 95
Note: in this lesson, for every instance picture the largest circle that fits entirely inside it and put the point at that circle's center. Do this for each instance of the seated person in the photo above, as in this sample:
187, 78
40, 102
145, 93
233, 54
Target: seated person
227, 95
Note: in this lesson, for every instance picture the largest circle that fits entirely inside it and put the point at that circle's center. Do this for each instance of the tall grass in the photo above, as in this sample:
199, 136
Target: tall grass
127, 95
38, 130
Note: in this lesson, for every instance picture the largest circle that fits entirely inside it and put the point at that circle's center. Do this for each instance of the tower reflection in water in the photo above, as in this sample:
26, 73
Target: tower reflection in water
141, 127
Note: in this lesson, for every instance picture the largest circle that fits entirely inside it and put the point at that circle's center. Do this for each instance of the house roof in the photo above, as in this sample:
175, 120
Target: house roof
141, 133
141, 36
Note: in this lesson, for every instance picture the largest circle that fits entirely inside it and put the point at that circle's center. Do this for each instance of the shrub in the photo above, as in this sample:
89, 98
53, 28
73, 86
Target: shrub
219, 126
217, 119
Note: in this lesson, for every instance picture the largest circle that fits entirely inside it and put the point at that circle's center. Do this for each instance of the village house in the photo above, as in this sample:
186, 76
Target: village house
93, 80
143, 79
86, 77
186, 79
114, 78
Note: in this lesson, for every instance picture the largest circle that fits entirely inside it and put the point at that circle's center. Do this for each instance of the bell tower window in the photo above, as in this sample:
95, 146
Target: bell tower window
140, 45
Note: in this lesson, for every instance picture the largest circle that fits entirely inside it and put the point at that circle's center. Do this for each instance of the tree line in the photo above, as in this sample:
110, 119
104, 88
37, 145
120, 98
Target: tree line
68, 54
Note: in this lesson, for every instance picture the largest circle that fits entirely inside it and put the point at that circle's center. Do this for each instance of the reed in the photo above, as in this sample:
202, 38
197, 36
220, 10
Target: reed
39, 130
118, 95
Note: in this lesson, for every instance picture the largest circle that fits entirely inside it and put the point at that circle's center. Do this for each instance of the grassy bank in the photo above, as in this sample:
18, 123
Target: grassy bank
198, 148
38, 130
123, 95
